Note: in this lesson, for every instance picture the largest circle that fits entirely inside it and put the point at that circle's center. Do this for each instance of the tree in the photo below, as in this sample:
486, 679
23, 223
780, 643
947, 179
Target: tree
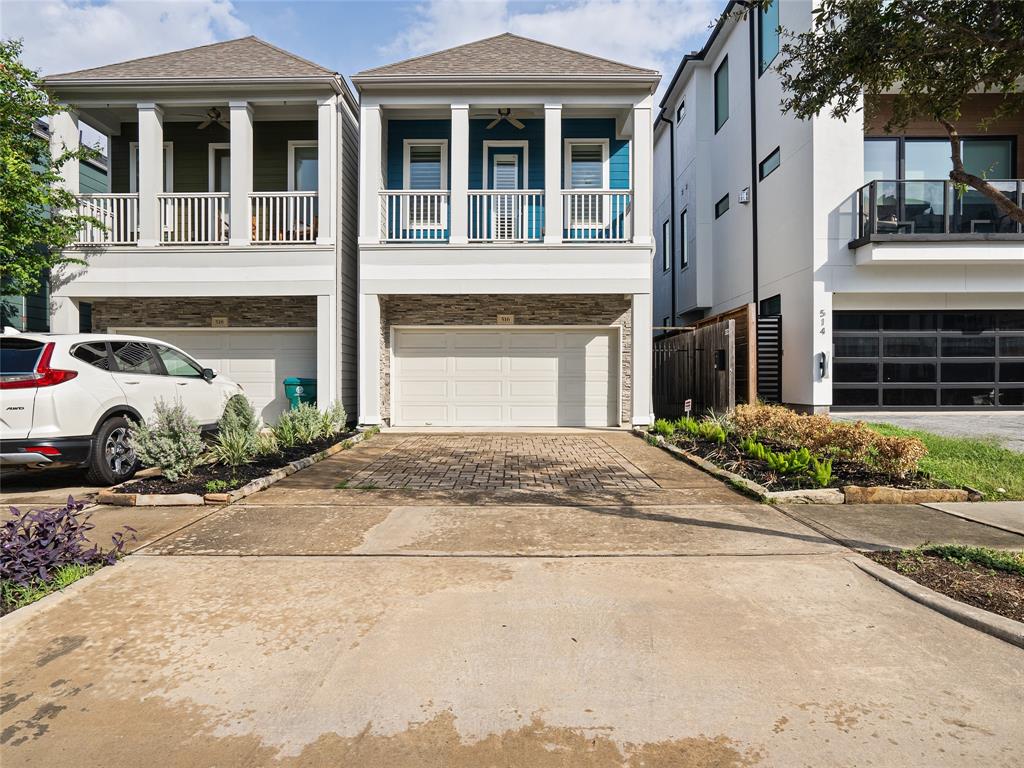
37, 216
930, 55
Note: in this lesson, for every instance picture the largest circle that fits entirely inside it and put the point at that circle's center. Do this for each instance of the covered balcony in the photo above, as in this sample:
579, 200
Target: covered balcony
479, 175
210, 175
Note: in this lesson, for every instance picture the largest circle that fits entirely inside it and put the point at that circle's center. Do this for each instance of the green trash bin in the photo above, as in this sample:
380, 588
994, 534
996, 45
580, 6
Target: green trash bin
299, 390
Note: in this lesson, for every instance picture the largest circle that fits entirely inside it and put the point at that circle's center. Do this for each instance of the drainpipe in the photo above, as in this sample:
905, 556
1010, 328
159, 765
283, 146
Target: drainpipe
671, 208
752, 10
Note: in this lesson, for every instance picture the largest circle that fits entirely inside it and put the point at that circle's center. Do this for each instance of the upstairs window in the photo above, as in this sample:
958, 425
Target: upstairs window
666, 245
426, 165
684, 253
681, 111
588, 165
722, 206
721, 94
769, 164
768, 18
133, 166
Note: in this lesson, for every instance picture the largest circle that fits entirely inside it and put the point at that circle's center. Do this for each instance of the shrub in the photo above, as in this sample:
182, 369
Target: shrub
266, 443
306, 422
897, 456
711, 430
821, 471
234, 447
333, 420
663, 427
688, 425
35, 544
216, 486
172, 441
239, 414
285, 434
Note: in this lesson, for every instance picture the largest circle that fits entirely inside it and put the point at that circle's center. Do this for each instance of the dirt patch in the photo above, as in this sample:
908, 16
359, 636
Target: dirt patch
729, 456
260, 467
996, 591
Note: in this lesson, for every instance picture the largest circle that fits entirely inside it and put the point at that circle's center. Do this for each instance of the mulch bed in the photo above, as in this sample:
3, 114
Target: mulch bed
730, 457
260, 467
996, 591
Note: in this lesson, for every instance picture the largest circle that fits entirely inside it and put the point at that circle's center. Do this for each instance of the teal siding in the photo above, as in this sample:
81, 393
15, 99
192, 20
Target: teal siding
91, 179
618, 149
400, 130
532, 132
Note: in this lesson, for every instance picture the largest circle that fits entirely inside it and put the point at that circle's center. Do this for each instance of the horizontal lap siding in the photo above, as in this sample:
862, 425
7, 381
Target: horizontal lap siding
399, 131
348, 232
618, 149
532, 132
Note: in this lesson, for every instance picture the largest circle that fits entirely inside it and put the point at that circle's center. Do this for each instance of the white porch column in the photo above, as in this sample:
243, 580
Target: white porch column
241, 172
370, 172
326, 351
64, 315
151, 172
64, 136
369, 359
643, 406
327, 149
459, 205
643, 173
552, 173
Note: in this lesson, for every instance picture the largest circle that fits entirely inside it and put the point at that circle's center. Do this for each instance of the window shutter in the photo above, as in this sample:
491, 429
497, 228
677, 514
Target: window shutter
425, 166
587, 167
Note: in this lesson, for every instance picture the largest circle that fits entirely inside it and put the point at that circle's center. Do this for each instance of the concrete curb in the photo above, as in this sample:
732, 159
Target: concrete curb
990, 623
259, 484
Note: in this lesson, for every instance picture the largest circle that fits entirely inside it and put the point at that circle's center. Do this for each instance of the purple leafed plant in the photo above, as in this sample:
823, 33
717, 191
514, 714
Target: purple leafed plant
35, 543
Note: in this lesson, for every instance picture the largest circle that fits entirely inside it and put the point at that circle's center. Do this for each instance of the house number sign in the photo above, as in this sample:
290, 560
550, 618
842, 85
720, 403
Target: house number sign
219, 322
506, 319
821, 322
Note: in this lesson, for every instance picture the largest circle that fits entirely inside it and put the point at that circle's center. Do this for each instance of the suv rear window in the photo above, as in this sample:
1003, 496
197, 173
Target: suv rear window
94, 354
19, 356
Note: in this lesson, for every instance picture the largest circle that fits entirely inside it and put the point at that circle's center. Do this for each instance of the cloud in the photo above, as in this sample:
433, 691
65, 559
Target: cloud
65, 35
645, 33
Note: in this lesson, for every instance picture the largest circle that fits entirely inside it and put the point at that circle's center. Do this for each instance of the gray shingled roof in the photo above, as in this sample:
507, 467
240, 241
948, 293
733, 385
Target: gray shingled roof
504, 55
246, 58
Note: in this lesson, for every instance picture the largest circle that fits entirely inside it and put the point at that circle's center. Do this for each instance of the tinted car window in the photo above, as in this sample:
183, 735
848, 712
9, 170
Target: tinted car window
19, 356
93, 354
178, 364
135, 357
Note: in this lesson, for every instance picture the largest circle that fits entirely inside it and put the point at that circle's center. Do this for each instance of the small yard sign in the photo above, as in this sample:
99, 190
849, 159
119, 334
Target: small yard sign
688, 405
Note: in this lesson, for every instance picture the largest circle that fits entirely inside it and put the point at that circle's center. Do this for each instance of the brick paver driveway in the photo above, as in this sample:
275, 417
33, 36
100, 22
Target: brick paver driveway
548, 462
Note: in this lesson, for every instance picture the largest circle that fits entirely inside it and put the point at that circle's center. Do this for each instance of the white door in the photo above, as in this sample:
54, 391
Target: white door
503, 213
259, 360
485, 377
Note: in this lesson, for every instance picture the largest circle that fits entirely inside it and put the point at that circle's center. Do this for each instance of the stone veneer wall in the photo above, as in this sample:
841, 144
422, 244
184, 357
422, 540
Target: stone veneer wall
250, 312
584, 309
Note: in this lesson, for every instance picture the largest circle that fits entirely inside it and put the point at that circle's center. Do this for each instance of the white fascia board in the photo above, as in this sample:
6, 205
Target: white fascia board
613, 100
981, 252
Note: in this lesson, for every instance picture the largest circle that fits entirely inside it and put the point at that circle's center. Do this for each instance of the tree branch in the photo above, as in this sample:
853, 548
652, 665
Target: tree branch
960, 175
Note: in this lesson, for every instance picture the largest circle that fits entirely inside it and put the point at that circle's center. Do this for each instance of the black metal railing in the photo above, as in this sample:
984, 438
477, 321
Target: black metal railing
932, 207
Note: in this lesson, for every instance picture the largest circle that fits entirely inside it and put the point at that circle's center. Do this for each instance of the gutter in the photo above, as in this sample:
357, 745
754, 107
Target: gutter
671, 207
754, 181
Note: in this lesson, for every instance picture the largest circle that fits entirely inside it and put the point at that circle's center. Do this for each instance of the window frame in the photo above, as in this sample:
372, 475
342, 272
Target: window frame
763, 66
684, 255
680, 111
606, 182
776, 153
666, 237
106, 348
714, 86
301, 144
407, 144
211, 171
724, 198
901, 148
133, 168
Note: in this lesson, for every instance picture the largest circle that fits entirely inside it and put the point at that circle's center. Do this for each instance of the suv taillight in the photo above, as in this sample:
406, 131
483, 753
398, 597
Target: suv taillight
44, 375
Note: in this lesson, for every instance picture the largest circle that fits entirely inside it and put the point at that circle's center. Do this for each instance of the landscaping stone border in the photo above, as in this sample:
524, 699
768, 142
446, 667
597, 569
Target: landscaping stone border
194, 499
849, 494
977, 618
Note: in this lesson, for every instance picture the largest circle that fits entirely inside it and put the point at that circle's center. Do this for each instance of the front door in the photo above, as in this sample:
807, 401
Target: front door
508, 215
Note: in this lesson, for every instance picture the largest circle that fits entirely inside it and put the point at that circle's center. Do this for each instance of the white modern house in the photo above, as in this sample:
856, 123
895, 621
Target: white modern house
894, 290
230, 216
505, 238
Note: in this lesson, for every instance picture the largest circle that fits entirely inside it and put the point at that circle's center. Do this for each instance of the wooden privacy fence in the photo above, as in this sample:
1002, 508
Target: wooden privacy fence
698, 364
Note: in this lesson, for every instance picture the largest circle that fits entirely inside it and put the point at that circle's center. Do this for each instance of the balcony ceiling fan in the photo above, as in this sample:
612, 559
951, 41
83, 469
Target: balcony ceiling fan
212, 115
505, 114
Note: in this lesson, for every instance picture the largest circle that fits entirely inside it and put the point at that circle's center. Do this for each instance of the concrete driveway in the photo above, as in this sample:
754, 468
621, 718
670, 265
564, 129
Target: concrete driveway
676, 625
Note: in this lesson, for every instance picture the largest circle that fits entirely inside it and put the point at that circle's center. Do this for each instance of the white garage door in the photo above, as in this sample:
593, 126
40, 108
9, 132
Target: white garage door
258, 360
505, 378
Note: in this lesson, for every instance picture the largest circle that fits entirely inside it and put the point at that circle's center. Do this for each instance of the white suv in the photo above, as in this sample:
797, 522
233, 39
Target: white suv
70, 399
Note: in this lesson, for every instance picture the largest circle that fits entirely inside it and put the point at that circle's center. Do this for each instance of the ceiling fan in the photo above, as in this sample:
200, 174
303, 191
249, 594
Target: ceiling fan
212, 115
505, 114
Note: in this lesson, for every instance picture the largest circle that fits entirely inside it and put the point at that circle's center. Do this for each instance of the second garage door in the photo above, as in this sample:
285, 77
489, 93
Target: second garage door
259, 360
471, 377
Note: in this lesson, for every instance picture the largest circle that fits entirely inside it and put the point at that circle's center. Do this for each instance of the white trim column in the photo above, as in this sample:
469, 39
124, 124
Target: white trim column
64, 315
326, 149
370, 173
65, 136
643, 173
151, 172
553, 173
326, 352
369, 358
459, 202
643, 406
241, 172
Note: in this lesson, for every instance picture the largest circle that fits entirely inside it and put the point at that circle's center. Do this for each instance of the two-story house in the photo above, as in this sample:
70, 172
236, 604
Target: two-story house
230, 218
505, 238
895, 290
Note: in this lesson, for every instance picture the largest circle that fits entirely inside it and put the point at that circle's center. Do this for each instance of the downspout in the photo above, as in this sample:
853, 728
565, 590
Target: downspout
671, 208
752, 10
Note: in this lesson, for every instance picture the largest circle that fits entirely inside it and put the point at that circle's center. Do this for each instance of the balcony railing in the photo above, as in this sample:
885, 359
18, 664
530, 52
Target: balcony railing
283, 217
931, 207
498, 216
601, 215
119, 215
194, 219
414, 215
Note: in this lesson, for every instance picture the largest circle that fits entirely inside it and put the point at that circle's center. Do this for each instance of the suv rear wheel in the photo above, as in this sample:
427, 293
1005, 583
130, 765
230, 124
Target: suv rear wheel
112, 459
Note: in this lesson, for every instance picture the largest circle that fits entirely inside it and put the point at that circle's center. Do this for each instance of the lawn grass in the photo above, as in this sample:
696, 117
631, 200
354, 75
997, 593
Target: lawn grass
976, 462
14, 596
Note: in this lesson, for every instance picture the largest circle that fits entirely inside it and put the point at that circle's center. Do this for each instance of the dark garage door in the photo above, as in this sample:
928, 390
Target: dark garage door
946, 359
